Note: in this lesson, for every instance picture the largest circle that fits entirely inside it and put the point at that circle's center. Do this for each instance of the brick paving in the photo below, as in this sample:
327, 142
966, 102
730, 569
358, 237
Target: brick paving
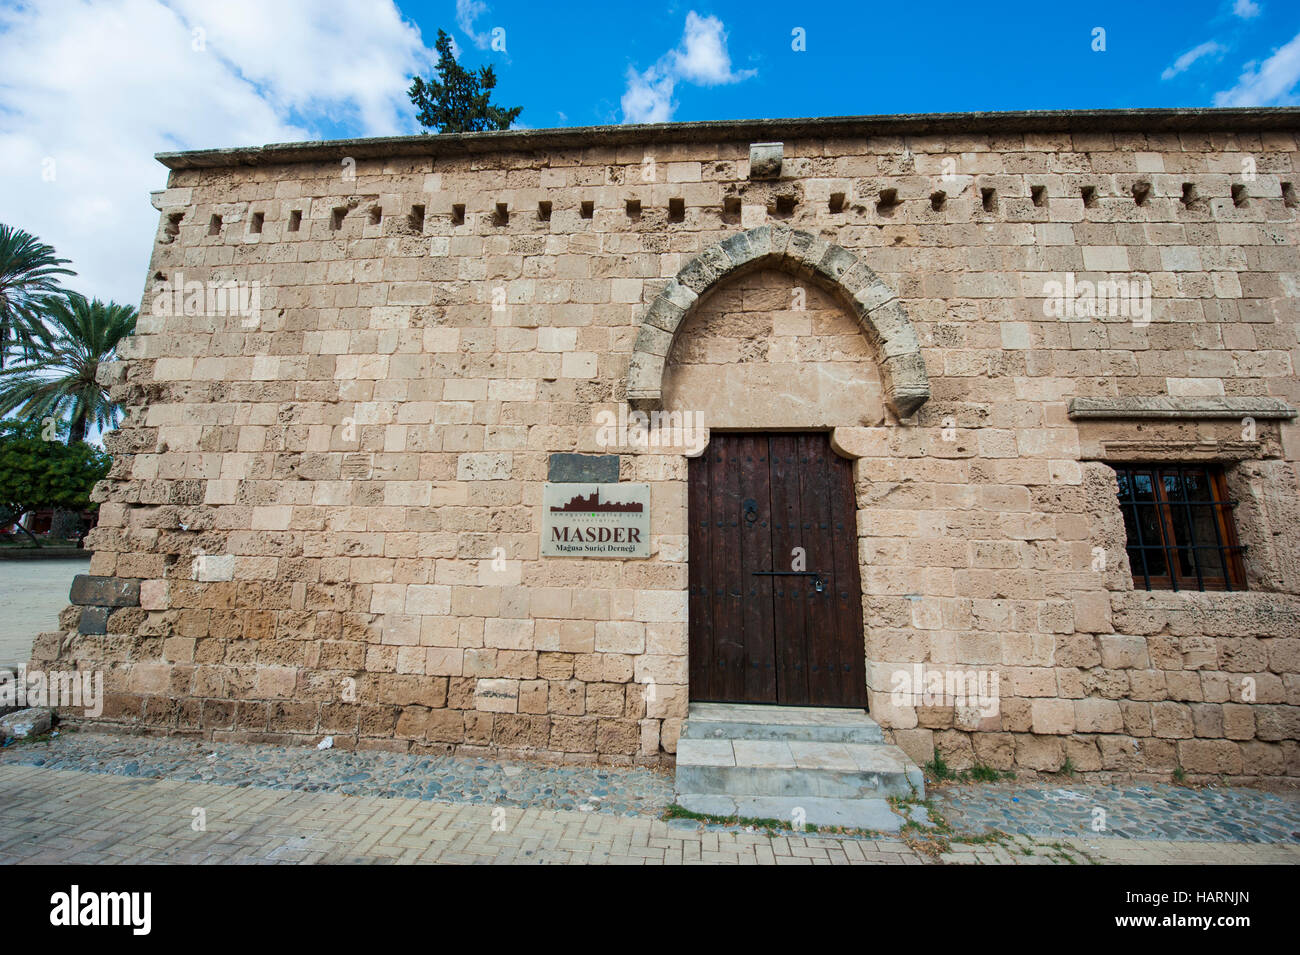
64, 816
1022, 850
58, 816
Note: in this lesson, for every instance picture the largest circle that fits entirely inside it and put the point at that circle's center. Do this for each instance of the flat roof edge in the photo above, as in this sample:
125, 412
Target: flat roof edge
1247, 119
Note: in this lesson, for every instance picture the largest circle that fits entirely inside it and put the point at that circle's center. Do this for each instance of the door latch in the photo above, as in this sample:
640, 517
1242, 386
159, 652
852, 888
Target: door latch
819, 583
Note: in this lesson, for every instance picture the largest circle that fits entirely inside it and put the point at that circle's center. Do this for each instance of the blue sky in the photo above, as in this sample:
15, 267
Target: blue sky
872, 58
91, 89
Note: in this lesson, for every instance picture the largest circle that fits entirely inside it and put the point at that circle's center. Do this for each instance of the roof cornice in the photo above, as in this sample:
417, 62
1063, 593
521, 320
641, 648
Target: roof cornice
1236, 120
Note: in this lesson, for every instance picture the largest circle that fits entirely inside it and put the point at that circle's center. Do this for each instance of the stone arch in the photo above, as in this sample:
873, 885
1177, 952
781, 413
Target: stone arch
876, 305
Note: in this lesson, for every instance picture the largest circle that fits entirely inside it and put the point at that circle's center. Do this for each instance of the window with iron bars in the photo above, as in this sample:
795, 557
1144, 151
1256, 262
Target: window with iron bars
1181, 534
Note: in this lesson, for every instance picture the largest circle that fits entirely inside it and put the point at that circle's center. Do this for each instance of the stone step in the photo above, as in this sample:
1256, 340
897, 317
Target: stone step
766, 762
874, 814
798, 768
794, 768
807, 723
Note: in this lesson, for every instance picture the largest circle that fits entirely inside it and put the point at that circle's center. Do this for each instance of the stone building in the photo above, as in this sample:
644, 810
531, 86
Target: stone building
983, 422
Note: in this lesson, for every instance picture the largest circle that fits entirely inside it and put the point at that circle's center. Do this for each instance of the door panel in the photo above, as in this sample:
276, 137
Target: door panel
817, 538
700, 572
755, 582
764, 627
789, 621
846, 592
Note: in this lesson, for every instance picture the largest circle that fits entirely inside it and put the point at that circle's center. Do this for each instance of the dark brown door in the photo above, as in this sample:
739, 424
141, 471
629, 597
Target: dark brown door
775, 596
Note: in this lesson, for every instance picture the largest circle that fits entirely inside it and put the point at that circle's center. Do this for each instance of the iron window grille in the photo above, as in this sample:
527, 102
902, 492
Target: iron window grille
1181, 535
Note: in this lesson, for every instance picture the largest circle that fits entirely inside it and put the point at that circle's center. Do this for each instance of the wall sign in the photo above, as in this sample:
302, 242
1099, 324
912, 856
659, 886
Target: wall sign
596, 520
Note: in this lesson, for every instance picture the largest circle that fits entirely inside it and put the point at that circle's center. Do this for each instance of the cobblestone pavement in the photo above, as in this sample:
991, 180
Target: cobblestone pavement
1139, 811
97, 798
367, 773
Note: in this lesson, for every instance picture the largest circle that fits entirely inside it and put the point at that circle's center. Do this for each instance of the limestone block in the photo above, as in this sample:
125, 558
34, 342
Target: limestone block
1218, 757
497, 696
765, 160
1172, 720
484, 466
1097, 716
1053, 717
619, 636
1120, 652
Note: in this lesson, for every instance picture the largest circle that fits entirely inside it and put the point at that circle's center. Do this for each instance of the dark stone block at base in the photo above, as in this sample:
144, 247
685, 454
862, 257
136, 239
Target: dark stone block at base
89, 591
94, 620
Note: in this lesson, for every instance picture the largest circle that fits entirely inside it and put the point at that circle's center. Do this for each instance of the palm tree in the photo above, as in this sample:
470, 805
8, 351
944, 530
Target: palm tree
29, 275
58, 378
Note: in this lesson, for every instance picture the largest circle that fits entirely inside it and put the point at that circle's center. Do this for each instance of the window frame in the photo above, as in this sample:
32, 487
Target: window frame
1225, 541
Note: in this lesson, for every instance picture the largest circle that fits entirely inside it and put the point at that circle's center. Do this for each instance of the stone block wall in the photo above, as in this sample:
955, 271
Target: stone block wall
331, 501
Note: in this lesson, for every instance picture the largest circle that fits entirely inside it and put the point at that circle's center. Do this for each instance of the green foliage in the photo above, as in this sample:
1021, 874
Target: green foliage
459, 101
58, 378
772, 827
939, 769
36, 473
29, 279
987, 774
676, 811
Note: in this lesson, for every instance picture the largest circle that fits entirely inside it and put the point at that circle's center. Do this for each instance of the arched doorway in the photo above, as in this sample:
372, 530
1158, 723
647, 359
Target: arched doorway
774, 338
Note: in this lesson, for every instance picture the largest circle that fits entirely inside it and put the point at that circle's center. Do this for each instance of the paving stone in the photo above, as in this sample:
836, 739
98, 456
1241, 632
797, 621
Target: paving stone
704, 752
1145, 811
306, 769
743, 721
763, 754
92, 798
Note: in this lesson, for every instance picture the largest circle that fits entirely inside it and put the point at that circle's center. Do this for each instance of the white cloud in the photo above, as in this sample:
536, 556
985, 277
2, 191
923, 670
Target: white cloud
98, 86
1181, 64
649, 96
314, 57
467, 11
1271, 83
1246, 9
700, 58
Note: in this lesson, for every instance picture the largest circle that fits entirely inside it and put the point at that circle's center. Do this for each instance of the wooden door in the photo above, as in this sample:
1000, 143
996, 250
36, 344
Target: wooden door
775, 595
